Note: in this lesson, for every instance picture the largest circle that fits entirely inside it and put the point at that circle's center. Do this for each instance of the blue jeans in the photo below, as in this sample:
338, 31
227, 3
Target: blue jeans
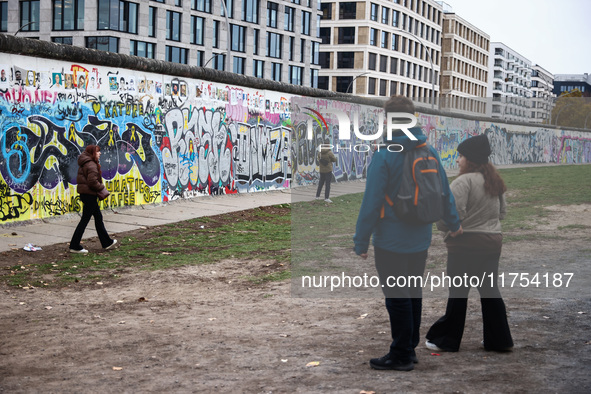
404, 304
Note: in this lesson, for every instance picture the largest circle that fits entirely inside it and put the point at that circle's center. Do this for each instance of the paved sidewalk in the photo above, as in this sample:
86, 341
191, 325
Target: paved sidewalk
60, 229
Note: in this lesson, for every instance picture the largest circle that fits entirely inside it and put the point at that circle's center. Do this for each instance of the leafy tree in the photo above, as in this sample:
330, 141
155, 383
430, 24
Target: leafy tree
572, 110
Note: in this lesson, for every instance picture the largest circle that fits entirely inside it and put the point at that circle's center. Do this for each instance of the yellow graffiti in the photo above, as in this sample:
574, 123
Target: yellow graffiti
72, 136
141, 153
111, 141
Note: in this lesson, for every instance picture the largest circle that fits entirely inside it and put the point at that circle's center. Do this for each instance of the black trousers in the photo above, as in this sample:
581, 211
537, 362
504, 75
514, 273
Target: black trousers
404, 301
90, 209
325, 177
447, 332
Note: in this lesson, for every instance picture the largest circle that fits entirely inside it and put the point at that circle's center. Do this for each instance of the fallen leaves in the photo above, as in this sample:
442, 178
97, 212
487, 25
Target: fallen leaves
313, 364
117, 368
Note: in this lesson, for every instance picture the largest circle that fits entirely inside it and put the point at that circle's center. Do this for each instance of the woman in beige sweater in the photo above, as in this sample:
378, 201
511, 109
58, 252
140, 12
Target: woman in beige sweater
480, 200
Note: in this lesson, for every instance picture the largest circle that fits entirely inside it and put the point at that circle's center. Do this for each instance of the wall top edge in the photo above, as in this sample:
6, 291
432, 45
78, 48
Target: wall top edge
44, 49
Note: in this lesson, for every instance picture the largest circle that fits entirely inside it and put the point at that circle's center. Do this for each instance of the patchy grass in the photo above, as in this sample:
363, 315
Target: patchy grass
261, 233
574, 227
317, 227
311, 235
530, 189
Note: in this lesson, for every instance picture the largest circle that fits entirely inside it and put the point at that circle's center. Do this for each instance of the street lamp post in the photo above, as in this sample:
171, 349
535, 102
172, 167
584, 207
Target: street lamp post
23, 26
351, 83
210, 59
228, 60
428, 51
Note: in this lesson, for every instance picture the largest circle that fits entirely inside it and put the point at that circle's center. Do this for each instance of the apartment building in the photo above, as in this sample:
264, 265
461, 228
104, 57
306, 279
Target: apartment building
542, 86
464, 66
510, 83
565, 83
275, 40
381, 48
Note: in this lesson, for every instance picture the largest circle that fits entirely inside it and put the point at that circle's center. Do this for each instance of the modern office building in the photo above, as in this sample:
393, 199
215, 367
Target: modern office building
542, 86
464, 66
564, 83
381, 47
275, 40
509, 81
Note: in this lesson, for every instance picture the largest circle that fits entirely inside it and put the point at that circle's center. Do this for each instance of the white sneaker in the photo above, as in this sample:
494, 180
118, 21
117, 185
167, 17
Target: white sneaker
432, 346
113, 244
328, 200
81, 251
318, 198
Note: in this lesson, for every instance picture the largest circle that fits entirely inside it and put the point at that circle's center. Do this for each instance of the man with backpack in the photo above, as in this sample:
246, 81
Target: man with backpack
401, 241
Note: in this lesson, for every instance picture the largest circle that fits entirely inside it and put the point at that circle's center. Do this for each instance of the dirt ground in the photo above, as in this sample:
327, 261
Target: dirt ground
208, 329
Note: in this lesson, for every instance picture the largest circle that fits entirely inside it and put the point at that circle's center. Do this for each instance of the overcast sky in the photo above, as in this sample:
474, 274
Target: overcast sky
556, 34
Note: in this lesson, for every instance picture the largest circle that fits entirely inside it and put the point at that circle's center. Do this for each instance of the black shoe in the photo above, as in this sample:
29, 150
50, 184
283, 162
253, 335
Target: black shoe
499, 349
387, 363
414, 359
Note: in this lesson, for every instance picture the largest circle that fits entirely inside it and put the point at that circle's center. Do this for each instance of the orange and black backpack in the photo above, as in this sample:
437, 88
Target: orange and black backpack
420, 197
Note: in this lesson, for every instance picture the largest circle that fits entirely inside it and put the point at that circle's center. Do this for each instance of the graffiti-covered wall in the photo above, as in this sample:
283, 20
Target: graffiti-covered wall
161, 137
185, 132
511, 144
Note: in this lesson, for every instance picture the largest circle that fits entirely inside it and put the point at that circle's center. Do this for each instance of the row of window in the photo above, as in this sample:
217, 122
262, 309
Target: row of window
376, 86
479, 56
289, 18
346, 60
469, 35
398, 19
122, 16
383, 39
464, 68
179, 55
348, 10
462, 85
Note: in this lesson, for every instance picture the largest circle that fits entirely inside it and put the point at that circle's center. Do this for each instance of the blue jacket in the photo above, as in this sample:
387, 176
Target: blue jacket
384, 177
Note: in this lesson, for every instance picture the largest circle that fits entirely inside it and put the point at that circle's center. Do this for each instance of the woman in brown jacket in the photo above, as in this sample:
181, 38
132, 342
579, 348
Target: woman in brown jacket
90, 183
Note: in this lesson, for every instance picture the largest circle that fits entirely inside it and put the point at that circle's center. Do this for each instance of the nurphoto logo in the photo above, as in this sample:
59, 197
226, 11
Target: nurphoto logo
395, 121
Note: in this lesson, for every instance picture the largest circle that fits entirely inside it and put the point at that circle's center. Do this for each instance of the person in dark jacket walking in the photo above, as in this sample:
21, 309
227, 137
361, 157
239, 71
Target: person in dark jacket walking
90, 183
400, 248
325, 159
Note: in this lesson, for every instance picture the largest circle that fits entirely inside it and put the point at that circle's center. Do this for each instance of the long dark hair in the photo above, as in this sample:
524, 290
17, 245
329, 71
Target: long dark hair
493, 183
92, 150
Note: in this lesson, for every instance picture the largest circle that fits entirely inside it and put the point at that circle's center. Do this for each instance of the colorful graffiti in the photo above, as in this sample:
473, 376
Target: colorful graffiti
164, 138
511, 144
161, 138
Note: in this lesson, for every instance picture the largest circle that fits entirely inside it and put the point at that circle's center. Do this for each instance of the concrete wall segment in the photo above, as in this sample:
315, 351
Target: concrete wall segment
212, 133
